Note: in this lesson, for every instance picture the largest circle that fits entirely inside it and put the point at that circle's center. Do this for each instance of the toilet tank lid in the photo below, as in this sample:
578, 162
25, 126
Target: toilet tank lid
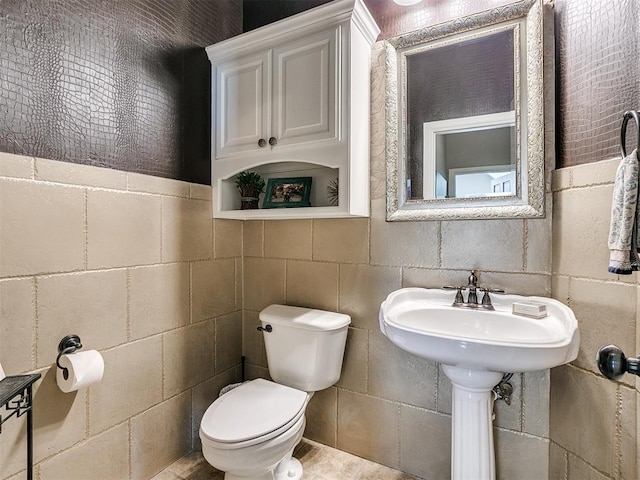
307, 318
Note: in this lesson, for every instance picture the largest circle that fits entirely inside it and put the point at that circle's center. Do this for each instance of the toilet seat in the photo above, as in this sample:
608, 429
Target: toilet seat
252, 413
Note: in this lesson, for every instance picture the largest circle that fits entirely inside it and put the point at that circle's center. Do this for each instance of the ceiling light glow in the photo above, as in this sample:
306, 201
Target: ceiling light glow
406, 3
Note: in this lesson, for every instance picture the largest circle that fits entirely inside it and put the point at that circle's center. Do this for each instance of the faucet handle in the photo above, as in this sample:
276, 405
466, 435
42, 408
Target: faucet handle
459, 298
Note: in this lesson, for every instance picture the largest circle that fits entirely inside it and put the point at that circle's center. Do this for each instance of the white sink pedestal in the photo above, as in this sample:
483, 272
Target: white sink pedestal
472, 453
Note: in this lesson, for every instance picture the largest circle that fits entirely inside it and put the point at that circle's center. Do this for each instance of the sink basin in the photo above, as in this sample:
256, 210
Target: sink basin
423, 322
475, 346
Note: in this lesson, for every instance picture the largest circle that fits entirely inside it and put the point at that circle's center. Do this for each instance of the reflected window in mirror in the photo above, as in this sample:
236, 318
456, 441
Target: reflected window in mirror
452, 91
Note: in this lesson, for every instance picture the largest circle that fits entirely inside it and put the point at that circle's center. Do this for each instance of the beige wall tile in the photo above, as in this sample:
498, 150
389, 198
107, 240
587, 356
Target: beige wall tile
160, 436
17, 320
628, 434
312, 285
580, 470
355, 366
558, 462
252, 341
368, 427
228, 346
561, 179
535, 403
76, 174
59, 419
596, 173
138, 182
425, 443
343, 240
433, 278
213, 289
403, 243
227, 237
188, 357
17, 166
518, 283
238, 262
13, 453
31, 212
187, 229
606, 313
102, 457
444, 393
158, 299
288, 239
322, 417
538, 244
560, 288
587, 431
263, 282
252, 238
203, 192
581, 229
363, 288
132, 382
510, 416
123, 229
532, 454
92, 305
492, 245
401, 376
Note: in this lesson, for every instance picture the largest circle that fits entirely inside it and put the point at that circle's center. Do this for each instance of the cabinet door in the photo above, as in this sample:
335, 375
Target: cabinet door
242, 104
306, 89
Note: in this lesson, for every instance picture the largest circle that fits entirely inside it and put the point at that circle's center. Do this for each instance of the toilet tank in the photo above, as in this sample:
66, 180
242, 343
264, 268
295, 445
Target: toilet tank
305, 347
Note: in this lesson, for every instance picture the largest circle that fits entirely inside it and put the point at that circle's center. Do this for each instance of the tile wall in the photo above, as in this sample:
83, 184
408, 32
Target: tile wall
136, 267
593, 420
387, 400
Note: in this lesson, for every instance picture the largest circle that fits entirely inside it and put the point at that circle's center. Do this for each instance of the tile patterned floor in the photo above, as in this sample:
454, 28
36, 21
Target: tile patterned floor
319, 462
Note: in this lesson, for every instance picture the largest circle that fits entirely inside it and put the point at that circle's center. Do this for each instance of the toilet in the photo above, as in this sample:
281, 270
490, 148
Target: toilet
250, 432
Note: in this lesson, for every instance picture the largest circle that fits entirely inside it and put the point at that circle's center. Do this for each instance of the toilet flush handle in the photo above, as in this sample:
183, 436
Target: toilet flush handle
268, 328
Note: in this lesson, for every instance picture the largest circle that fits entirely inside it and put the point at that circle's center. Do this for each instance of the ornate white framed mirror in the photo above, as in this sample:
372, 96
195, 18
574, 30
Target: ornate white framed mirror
465, 121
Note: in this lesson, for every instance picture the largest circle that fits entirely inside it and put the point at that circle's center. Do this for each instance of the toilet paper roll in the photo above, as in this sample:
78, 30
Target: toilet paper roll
85, 368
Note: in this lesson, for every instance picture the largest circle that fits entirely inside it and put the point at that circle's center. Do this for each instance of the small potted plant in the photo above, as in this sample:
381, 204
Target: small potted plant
250, 185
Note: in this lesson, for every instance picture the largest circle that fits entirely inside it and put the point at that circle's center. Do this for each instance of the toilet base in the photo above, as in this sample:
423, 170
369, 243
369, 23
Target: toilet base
288, 469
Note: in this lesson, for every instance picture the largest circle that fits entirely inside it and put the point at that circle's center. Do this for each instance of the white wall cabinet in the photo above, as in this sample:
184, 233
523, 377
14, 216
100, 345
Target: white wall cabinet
293, 97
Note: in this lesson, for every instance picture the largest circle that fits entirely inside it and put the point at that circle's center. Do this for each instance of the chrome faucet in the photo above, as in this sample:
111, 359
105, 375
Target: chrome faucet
472, 298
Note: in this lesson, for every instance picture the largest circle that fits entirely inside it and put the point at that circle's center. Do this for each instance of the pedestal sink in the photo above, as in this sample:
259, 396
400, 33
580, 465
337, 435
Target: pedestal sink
475, 347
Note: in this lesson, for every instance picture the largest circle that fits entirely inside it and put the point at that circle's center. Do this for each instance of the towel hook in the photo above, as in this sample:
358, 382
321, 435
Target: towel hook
623, 131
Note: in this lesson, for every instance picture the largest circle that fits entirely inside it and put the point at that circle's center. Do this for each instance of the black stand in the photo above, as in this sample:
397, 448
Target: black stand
16, 395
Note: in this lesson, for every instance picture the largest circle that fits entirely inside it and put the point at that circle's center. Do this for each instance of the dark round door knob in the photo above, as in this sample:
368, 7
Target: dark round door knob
272, 141
262, 142
613, 363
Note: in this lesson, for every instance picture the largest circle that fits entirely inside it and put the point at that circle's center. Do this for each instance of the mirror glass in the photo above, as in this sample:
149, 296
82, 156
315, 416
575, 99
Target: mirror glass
465, 127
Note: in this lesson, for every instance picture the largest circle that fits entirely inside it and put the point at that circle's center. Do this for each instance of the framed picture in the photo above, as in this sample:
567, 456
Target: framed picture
287, 192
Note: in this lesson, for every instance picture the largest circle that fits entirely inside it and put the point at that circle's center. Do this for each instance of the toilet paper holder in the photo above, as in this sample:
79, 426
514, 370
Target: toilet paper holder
68, 344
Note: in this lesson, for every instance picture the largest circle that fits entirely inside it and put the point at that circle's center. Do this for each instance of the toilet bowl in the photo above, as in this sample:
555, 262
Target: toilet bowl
250, 431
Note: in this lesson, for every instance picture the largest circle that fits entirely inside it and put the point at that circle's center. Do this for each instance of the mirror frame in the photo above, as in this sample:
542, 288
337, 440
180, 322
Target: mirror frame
530, 201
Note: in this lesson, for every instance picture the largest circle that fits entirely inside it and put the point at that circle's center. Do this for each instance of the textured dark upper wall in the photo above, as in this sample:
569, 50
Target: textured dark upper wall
122, 84
597, 63
126, 84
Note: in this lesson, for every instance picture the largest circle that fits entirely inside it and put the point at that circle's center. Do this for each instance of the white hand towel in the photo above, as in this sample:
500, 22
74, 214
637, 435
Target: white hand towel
623, 237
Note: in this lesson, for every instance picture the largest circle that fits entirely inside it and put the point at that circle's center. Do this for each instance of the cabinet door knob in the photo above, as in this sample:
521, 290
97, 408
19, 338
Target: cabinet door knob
272, 141
262, 142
